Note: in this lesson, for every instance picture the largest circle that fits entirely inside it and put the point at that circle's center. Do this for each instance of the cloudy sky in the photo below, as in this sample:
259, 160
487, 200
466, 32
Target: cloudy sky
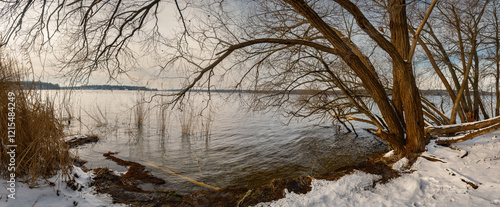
46, 65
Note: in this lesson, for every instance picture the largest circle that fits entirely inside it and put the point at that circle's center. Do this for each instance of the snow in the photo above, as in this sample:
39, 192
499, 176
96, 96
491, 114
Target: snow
432, 183
401, 164
389, 154
463, 124
59, 194
447, 182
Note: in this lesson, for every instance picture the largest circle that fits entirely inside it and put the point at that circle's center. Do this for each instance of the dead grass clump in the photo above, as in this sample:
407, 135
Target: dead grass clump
187, 120
206, 124
140, 110
163, 120
40, 150
190, 119
98, 116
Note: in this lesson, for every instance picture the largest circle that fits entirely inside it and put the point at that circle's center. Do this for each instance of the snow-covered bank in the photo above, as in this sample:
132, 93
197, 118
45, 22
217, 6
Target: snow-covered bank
54, 192
448, 182
467, 174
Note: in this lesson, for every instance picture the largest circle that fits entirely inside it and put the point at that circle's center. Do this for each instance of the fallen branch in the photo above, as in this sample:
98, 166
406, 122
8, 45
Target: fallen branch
451, 140
474, 184
444, 130
432, 159
184, 177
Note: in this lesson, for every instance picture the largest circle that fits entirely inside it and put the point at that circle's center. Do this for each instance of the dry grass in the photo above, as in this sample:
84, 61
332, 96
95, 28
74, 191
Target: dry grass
163, 120
193, 120
206, 124
140, 110
99, 117
187, 120
41, 151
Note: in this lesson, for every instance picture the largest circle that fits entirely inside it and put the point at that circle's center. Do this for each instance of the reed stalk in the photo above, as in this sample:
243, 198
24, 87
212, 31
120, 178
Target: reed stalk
40, 149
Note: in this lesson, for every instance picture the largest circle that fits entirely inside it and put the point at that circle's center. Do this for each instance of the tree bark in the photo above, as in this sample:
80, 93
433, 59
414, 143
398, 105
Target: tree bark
400, 39
475, 88
407, 91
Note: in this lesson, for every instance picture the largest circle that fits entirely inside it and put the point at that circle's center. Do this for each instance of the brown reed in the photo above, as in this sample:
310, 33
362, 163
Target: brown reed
40, 148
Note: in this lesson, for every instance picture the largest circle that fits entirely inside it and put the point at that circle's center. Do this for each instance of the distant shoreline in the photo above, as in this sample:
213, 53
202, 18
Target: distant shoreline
50, 86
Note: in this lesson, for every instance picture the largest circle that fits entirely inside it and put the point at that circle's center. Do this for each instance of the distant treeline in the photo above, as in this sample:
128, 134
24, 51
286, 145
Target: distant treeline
39, 85
438, 92
434, 92
50, 86
297, 91
110, 87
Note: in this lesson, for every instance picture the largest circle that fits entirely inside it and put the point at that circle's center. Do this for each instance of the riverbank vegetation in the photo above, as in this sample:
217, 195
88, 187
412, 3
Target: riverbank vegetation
32, 144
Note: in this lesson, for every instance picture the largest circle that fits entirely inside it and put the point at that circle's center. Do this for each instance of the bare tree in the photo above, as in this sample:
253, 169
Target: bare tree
492, 40
273, 47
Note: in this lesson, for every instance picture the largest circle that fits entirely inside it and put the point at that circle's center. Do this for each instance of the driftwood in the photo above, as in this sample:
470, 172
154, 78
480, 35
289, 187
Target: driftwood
81, 140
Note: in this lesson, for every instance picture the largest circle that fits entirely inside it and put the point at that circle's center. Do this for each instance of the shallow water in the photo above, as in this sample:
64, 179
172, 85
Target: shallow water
243, 149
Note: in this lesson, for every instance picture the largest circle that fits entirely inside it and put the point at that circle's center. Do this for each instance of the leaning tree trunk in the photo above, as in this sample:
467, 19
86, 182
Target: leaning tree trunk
395, 137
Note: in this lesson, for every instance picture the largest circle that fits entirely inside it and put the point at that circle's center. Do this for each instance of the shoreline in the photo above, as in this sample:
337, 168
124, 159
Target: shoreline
465, 174
126, 188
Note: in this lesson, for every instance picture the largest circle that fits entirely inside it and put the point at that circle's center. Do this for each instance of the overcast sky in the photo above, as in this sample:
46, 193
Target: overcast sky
145, 74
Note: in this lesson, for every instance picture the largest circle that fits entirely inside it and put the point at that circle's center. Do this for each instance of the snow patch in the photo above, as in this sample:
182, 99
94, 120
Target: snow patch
401, 164
433, 183
342, 192
390, 153
60, 194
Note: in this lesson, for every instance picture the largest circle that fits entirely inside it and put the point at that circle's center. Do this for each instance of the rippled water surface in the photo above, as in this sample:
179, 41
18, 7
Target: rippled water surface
243, 149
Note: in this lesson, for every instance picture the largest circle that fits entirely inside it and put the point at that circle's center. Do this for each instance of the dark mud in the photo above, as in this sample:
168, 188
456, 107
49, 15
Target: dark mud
136, 171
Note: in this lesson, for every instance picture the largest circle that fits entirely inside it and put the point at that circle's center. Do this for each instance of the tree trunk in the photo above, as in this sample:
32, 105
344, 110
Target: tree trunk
451, 129
497, 61
475, 88
486, 130
410, 96
400, 39
464, 61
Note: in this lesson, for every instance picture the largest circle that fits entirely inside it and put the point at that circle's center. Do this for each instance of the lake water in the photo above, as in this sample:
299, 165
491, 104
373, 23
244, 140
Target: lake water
243, 148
